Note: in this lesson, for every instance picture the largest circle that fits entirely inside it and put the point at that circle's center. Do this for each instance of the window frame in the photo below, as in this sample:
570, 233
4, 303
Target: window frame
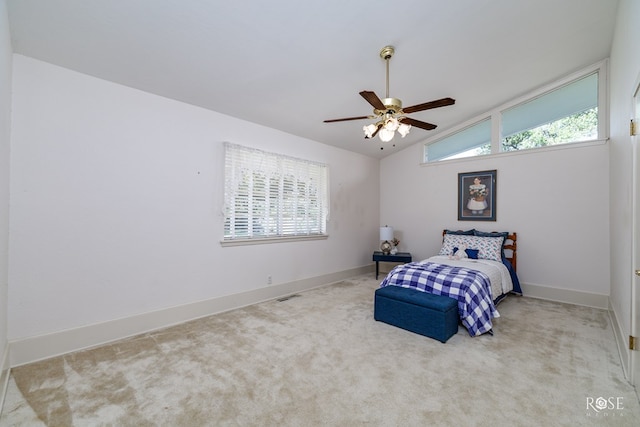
276, 162
496, 116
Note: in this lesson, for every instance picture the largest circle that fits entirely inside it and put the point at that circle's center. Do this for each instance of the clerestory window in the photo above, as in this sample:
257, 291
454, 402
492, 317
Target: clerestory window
566, 114
474, 140
570, 111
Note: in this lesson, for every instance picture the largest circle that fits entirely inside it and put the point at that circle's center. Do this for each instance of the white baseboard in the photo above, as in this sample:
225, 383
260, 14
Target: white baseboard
4, 376
569, 296
621, 343
42, 347
32, 349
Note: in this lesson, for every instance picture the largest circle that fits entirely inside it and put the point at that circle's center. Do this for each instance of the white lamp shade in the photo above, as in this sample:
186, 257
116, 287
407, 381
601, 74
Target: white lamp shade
385, 135
403, 130
369, 130
391, 124
386, 233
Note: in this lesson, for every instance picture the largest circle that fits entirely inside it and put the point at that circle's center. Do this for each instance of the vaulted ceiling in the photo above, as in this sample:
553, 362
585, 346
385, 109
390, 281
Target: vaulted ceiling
290, 64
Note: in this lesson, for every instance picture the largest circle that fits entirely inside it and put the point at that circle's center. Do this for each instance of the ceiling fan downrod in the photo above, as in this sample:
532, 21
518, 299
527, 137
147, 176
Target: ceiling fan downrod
386, 53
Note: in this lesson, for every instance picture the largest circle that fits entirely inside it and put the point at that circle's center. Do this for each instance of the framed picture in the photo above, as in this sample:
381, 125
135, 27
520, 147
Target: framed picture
477, 196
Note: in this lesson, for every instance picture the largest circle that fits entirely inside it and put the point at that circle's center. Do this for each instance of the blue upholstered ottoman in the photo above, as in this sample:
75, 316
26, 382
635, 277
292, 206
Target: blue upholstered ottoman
434, 316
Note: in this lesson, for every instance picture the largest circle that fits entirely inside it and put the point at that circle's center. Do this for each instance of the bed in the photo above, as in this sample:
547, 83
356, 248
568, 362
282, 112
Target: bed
476, 268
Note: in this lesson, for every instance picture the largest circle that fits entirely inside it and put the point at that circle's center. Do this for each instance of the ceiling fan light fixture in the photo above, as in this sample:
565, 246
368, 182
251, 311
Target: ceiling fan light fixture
386, 135
391, 124
369, 130
389, 112
403, 130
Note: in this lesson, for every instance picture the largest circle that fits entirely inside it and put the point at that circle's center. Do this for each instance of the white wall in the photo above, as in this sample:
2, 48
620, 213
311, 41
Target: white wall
5, 134
556, 200
116, 204
625, 70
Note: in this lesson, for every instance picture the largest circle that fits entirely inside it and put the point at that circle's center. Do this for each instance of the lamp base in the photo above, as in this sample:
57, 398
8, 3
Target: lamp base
385, 247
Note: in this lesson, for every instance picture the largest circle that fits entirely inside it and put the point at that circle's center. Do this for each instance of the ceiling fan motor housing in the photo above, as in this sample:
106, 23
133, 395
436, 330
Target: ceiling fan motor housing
393, 106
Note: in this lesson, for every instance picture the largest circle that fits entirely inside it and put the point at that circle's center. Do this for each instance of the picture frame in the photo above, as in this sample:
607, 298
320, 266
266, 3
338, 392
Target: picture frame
477, 196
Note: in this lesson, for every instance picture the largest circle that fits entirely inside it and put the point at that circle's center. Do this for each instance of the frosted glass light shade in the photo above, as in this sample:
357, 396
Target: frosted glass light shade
391, 124
369, 130
403, 130
386, 135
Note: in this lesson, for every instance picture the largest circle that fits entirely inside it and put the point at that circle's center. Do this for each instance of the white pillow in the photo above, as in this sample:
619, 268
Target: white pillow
488, 247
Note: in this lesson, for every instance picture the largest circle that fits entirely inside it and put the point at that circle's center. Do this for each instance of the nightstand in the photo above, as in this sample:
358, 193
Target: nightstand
399, 257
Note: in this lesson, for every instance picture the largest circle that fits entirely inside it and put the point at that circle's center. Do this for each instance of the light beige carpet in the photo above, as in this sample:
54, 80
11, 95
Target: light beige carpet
319, 359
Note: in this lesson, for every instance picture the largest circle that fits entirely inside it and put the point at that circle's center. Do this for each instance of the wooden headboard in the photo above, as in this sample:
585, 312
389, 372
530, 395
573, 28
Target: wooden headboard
510, 248
511, 244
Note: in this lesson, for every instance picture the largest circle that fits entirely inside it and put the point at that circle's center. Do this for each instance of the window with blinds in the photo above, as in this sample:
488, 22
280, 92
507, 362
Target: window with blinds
269, 195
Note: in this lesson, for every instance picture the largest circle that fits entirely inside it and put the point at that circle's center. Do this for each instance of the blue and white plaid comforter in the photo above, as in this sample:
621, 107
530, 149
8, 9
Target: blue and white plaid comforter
471, 288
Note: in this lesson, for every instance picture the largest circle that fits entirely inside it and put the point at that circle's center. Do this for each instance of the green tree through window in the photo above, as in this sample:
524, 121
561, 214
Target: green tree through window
578, 127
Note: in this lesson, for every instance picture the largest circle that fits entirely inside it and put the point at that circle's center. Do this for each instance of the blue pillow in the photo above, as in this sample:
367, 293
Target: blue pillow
472, 253
461, 232
492, 234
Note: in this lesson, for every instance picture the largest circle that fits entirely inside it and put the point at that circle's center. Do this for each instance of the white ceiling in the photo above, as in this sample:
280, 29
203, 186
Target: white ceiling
290, 64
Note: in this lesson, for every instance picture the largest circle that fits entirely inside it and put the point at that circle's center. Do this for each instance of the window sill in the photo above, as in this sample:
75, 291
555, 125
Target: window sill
262, 241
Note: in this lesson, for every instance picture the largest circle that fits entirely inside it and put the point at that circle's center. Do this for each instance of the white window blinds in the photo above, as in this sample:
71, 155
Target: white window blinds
268, 195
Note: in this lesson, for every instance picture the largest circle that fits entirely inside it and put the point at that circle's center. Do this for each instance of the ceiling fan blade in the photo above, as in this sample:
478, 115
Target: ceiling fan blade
429, 105
373, 99
346, 119
417, 123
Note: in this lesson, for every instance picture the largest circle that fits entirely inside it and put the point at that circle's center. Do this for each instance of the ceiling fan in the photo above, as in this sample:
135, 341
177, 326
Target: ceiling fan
389, 112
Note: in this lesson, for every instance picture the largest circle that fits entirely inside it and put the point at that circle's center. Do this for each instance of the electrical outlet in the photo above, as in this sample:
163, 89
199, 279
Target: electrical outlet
268, 280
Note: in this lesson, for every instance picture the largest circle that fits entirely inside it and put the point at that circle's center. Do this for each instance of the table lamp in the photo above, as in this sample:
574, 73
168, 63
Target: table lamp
386, 234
